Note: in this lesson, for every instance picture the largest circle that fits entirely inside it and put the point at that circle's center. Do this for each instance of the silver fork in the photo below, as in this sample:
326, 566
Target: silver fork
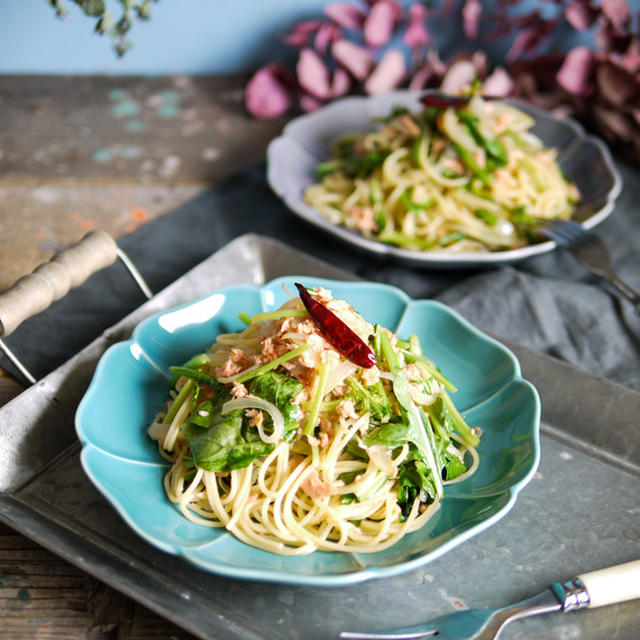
592, 589
589, 250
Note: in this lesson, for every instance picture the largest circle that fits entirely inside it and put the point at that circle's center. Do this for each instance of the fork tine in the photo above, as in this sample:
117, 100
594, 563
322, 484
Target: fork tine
551, 233
563, 232
573, 229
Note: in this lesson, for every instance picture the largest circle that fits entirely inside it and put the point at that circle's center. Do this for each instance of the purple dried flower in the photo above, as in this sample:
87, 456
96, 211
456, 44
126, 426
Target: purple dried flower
266, 95
300, 35
460, 74
575, 74
357, 60
614, 123
378, 27
313, 74
341, 83
388, 74
346, 15
608, 38
618, 13
471, 13
422, 77
417, 34
325, 36
616, 85
581, 15
498, 84
309, 102
530, 37
631, 58
331, 64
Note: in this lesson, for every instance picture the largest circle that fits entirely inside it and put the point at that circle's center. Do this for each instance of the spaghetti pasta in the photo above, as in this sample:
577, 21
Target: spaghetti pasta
455, 179
296, 453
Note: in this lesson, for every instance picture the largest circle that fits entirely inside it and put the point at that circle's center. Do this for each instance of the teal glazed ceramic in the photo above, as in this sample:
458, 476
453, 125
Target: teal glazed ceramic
132, 380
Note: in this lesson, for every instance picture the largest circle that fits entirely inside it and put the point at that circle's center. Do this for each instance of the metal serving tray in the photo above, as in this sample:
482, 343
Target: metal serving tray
580, 512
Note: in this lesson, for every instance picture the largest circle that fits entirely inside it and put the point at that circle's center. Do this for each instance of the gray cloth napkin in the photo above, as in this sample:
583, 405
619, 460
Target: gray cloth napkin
548, 303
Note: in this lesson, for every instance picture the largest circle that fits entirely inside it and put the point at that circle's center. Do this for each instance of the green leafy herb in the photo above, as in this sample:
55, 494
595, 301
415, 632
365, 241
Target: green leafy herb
279, 389
453, 467
372, 399
222, 443
451, 238
519, 215
488, 216
492, 146
244, 317
354, 163
326, 168
415, 206
416, 431
375, 191
196, 374
481, 173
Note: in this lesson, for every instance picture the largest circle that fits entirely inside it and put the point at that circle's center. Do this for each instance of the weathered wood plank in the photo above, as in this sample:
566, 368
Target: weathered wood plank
154, 129
78, 153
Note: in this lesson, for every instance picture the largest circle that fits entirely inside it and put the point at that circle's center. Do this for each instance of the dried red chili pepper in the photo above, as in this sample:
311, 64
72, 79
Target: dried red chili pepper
337, 333
442, 100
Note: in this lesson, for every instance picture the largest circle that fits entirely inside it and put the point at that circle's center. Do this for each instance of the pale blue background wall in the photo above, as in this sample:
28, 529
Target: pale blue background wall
182, 36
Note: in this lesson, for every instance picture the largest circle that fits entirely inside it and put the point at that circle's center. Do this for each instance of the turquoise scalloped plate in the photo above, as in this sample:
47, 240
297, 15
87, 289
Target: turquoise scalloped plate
131, 381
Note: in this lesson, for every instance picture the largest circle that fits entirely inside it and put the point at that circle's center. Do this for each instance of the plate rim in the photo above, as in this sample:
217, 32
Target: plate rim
287, 577
432, 258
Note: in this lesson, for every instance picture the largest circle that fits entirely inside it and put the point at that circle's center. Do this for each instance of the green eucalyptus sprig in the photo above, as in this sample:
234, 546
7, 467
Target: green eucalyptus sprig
106, 24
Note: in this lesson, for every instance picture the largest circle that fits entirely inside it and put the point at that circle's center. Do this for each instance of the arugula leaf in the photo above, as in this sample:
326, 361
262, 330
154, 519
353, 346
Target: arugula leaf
372, 399
417, 429
453, 467
446, 418
414, 481
411, 429
392, 435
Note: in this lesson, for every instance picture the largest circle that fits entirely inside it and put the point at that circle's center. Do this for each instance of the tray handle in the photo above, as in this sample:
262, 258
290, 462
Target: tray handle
51, 281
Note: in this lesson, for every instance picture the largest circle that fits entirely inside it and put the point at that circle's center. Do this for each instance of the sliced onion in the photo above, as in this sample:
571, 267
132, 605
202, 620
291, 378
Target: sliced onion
338, 374
419, 397
253, 402
381, 458
158, 431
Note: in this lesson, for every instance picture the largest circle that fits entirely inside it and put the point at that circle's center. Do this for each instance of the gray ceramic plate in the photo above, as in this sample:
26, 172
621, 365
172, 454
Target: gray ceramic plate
293, 156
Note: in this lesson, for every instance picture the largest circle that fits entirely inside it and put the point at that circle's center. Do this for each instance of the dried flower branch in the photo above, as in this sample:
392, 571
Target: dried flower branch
106, 24
378, 45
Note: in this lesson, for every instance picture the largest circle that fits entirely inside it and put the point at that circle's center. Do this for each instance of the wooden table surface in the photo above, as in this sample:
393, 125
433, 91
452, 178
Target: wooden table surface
83, 153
